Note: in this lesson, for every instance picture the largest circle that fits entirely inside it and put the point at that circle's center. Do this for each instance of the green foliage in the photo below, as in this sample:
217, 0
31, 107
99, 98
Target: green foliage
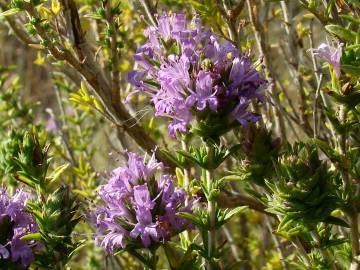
56, 217
208, 157
343, 33
304, 193
55, 211
260, 151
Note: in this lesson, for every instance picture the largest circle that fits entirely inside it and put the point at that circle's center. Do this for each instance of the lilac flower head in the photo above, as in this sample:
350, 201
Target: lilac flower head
190, 73
330, 55
15, 222
137, 208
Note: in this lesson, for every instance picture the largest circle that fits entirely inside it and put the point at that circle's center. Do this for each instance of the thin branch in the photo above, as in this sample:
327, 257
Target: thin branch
115, 80
315, 117
294, 65
230, 17
278, 245
259, 36
238, 199
150, 11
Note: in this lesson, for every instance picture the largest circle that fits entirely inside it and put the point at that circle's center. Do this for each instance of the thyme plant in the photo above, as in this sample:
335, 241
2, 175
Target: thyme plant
179, 135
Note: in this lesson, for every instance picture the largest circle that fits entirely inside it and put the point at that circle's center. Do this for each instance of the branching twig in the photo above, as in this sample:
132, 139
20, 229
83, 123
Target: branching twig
259, 36
295, 65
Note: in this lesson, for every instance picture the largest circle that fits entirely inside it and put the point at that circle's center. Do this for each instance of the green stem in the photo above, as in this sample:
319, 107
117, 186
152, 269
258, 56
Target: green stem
297, 243
277, 243
148, 263
186, 172
324, 253
353, 216
211, 206
153, 260
186, 179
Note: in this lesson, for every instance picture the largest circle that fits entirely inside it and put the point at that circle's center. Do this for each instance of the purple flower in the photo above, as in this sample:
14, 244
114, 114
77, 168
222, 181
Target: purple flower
114, 239
174, 75
204, 94
221, 54
21, 251
136, 78
330, 55
136, 206
179, 22
170, 200
148, 232
17, 222
186, 70
164, 27
145, 228
177, 126
142, 197
244, 77
144, 57
4, 253
243, 116
140, 170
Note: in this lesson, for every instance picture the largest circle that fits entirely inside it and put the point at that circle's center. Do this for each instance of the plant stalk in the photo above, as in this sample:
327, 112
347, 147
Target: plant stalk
211, 206
186, 179
354, 224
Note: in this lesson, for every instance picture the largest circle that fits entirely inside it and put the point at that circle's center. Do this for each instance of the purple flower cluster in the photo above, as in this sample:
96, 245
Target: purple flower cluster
138, 209
15, 222
187, 71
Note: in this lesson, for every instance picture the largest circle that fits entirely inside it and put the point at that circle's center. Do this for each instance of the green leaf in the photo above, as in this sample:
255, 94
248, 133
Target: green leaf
233, 178
356, 3
32, 236
188, 261
328, 150
295, 231
27, 179
350, 18
172, 158
179, 177
10, 12
334, 121
329, 8
58, 172
352, 70
193, 219
234, 212
77, 249
350, 100
285, 222
341, 32
191, 158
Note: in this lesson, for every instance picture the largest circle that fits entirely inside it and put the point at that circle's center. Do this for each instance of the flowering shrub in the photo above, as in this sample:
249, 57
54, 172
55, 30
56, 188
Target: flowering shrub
237, 123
